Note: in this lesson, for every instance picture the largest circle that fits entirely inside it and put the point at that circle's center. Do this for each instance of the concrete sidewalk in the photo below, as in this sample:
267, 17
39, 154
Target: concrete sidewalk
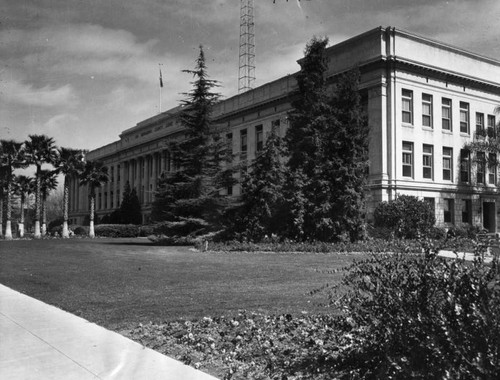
39, 341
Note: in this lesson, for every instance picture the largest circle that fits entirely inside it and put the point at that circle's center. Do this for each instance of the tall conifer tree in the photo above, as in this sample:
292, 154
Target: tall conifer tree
327, 143
193, 189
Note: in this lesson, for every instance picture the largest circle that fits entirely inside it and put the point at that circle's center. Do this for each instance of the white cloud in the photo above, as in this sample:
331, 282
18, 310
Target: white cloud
48, 96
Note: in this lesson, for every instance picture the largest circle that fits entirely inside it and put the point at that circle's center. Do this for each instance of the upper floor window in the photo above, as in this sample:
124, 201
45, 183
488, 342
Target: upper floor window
492, 168
427, 161
407, 159
446, 114
243, 141
259, 138
407, 102
427, 110
481, 167
491, 126
480, 131
464, 117
464, 165
447, 164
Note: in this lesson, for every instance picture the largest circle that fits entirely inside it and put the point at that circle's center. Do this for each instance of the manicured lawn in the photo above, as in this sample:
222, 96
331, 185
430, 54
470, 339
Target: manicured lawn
119, 283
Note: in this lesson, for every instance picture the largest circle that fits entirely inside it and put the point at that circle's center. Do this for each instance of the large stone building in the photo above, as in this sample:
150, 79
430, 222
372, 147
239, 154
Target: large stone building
425, 101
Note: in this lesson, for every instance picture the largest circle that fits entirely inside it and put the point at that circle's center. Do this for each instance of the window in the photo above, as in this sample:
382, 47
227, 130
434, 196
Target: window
480, 124
447, 164
492, 168
229, 140
243, 141
118, 176
427, 110
449, 206
112, 200
407, 100
464, 117
112, 174
259, 138
491, 126
105, 200
427, 161
466, 211
446, 114
117, 198
407, 159
464, 165
481, 167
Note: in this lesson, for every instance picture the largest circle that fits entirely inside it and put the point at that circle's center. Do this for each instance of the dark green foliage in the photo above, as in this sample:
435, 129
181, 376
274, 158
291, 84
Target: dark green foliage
420, 317
262, 200
328, 147
117, 230
406, 217
182, 227
55, 223
80, 230
130, 208
193, 191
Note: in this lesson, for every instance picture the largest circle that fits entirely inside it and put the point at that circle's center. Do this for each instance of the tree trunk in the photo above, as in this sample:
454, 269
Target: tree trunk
21, 221
1, 214
44, 215
65, 230
37, 235
8, 211
92, 205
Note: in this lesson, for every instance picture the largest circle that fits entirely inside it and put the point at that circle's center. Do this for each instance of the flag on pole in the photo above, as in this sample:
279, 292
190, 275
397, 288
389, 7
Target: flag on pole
161, 79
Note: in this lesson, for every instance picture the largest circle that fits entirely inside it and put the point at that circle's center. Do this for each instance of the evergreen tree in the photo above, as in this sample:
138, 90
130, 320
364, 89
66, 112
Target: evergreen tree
262, 192
130, 207
327, 143
193, 190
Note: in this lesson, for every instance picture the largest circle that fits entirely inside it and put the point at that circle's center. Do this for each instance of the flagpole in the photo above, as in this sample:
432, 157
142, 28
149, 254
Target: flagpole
161, 85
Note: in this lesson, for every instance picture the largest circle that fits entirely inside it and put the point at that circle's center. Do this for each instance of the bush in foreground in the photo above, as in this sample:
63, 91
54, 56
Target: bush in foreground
117, 230
403, 316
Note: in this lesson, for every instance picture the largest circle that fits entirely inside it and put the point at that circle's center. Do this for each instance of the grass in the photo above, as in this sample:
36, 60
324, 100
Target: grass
118, 283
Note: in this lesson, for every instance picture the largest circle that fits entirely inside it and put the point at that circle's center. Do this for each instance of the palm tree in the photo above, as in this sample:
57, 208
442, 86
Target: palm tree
70, 164
94, 175
48, 182
24, 186
11, 157
40, 149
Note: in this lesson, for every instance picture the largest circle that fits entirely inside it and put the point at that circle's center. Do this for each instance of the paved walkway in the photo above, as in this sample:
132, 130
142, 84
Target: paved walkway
39, 341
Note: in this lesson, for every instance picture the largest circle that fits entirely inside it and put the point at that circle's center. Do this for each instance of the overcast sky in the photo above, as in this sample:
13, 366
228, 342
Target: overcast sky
82, 71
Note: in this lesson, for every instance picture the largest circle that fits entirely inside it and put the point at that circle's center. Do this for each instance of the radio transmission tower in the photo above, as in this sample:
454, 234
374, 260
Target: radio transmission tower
246, 75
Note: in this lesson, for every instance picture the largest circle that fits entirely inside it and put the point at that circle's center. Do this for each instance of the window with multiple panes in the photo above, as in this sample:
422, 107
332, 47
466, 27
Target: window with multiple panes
229, 140
491, 126
466, 211
427, 161
446, 114
407, 101
449, 207
480, 131
447, 164
259, 138
464, 117
243, 141
464, 165
427, 110
492, 168
407, 159
481, 167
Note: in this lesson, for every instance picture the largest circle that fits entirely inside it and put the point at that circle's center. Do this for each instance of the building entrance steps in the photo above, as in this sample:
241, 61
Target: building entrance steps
39, 341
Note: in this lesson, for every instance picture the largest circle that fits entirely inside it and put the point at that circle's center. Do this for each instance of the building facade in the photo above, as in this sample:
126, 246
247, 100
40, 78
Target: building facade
425, 102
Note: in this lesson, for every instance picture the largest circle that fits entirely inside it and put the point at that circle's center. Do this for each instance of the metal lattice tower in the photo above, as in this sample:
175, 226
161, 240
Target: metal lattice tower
246, 75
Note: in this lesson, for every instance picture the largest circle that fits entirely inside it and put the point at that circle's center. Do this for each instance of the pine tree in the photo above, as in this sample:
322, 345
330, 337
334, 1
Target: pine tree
327, 144
262, 192
193, 191
130, 207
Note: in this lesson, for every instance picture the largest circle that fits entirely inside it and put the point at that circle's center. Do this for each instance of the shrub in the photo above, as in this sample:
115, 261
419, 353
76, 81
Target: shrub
406, 216
184, 227
146, 231
419, 316
55, 223
80, 230
117, 230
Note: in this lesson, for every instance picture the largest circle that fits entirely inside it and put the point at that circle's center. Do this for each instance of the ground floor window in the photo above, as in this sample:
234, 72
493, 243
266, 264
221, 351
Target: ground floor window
449, 206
